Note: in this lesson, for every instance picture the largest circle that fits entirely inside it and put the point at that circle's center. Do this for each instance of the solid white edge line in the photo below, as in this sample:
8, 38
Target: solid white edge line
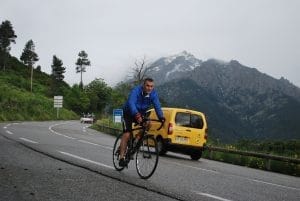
27, 140
264, 182
8, 132
50, 128
85, 159
87, 142
212, 196
278, 185
197, 168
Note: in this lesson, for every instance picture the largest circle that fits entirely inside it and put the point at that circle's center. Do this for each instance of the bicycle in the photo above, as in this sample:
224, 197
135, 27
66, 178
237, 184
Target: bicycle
145, 150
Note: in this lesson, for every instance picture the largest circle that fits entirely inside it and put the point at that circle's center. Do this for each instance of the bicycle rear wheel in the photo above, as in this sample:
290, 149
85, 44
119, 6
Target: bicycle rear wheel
116, 153
147, 157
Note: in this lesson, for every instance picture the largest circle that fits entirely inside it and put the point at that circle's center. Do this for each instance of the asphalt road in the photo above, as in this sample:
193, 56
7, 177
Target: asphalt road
65, 160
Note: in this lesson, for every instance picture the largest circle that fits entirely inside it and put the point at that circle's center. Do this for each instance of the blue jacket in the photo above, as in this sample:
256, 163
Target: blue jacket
137, 102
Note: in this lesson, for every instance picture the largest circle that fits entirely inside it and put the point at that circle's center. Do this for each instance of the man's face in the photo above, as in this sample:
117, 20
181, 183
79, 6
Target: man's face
148, 87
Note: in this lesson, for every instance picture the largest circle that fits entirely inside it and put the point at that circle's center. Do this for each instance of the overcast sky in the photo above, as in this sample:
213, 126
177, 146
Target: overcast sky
258, 33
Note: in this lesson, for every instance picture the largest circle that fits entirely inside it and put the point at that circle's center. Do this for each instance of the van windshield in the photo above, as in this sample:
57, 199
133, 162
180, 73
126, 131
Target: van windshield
189, 120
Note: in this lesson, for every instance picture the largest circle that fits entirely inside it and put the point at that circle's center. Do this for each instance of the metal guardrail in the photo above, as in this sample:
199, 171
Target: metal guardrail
255, 154
107, 129
212, 149
267, 157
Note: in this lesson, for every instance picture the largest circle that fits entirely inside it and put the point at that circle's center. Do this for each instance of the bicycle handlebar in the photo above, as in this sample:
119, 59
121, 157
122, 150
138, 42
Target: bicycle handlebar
147, 119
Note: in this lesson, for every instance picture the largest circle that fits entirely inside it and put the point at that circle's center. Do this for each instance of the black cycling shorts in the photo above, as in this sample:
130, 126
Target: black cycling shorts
128, 121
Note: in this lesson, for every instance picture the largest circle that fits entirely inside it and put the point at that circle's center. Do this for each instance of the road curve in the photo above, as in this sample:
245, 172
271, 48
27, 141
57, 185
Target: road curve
45, 147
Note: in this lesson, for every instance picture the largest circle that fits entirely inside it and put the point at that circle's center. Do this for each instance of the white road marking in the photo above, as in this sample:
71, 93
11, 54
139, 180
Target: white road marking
50, 128
264, 182
212, 196
27, 140
197, 168
268, 183
87, 142
5, 127
87, 160
9, 132
85, 131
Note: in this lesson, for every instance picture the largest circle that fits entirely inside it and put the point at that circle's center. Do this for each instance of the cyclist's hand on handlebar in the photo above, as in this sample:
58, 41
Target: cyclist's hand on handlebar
138, 118
162, 119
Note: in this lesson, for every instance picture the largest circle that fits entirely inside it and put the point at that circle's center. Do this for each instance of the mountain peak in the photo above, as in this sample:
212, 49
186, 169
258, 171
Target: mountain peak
172, 67
185, 54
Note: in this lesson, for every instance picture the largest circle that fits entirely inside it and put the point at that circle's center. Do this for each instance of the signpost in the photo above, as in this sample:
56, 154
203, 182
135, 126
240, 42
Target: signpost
118, 114
58, 103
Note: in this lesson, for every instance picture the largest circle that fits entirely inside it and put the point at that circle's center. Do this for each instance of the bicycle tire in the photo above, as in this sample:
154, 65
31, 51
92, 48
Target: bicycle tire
147, 157
116, 153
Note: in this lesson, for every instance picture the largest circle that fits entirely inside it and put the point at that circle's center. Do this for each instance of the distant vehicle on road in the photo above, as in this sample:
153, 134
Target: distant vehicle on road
87, 119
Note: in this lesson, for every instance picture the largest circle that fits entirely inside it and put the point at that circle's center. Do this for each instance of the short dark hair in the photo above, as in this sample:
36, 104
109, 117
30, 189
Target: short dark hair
149, 79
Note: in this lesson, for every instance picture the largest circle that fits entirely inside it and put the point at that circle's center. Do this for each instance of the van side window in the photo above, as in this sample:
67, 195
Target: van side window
196, 121
188, 120
182, 119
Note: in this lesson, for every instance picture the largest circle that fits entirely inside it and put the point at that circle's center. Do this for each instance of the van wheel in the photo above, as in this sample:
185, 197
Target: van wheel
161, 146
196, 155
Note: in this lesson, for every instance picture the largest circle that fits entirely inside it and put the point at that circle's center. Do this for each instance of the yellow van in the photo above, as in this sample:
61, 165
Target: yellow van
185, 131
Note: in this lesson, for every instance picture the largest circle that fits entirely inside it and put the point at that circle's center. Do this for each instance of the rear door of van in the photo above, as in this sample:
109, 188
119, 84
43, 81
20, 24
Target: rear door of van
188, 128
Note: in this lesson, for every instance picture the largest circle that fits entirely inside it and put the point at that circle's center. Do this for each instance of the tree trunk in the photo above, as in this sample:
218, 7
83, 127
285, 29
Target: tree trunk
31, 78
81, 83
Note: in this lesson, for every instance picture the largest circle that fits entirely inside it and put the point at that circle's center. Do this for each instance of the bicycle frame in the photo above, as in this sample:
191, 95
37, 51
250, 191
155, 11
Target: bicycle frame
131, 148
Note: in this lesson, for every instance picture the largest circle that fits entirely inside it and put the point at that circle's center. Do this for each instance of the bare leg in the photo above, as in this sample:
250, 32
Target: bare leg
123, 144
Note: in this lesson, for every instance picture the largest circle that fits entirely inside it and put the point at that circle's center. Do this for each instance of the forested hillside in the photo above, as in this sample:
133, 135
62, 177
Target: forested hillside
16, 100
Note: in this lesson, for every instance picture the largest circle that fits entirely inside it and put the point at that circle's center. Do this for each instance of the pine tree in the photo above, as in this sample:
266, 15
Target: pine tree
81, 64
57, 76
57, 69
29, 57
7, 36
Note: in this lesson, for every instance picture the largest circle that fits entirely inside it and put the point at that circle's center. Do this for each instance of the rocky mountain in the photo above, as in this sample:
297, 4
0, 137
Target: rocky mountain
240, 101
176, 66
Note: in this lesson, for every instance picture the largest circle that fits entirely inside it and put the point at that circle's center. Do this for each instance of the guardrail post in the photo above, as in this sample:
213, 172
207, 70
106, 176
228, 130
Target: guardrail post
268, 164
210, 154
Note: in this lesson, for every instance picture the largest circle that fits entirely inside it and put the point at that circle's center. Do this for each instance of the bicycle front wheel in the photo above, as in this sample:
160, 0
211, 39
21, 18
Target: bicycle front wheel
147, 157
116, 153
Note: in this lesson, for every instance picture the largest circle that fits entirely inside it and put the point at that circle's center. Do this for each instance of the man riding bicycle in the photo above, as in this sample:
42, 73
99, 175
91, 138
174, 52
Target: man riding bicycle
140, 99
